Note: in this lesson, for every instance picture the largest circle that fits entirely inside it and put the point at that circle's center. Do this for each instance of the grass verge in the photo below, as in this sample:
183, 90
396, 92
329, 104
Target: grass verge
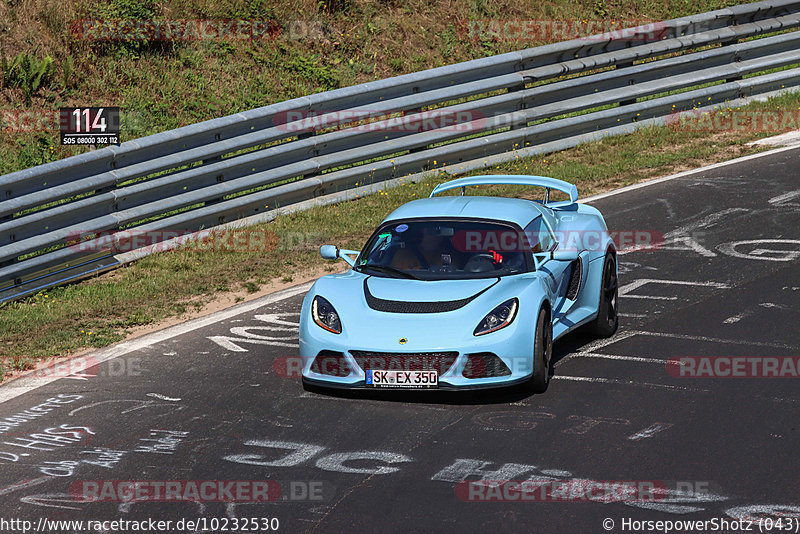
320, 45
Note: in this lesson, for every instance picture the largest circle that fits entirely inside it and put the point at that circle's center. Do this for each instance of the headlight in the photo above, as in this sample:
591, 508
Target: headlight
498, 318
325, 316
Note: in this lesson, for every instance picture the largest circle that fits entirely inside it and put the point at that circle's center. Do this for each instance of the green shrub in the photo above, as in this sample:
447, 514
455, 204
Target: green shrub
28, 73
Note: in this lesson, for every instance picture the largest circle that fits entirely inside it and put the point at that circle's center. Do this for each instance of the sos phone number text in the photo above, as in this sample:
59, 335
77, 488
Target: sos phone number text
89, 139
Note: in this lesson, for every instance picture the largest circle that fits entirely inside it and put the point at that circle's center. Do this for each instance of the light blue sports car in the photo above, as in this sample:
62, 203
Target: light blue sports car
462, 292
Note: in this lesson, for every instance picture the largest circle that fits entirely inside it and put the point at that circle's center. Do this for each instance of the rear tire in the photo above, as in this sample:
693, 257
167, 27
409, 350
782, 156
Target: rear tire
607, 321
542, 353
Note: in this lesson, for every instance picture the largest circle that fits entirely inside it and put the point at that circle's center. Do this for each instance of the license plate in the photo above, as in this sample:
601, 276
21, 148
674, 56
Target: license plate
403, 379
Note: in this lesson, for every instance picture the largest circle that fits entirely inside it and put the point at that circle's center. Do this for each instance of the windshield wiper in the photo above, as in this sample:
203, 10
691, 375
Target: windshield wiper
388, 269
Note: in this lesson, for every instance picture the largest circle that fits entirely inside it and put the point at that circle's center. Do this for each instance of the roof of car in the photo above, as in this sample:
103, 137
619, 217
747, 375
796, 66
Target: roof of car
514, 210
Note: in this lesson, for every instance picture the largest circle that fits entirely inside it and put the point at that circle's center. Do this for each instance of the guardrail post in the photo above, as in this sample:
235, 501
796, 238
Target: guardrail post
520, 107
736, 59
220, 177
630, 82
11, 237
306, 135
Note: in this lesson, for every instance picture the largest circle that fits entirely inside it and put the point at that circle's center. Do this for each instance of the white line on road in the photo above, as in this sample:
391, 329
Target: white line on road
350, 400
595, 345
716, 339
650, 431
738, 317
648, 297
685, 174
648, 385
24, 484
786, 197
163, 397
705, 222
625, 358
636, 284
24, 384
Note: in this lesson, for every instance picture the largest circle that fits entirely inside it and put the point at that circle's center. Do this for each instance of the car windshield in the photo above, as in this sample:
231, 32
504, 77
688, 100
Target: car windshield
428, 249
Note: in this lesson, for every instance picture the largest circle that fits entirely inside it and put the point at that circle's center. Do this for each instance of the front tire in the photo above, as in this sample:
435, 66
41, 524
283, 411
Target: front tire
542, 353
607, 321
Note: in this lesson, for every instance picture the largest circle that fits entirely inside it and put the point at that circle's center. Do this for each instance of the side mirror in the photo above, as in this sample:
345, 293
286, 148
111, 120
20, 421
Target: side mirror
564, 255
329, 252
332, 252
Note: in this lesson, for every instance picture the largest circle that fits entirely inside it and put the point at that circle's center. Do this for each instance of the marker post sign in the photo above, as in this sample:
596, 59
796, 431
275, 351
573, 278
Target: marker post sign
89, 126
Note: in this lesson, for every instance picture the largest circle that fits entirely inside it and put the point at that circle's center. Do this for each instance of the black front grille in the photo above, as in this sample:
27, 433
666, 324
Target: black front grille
405, 361
330, 363
402, 306
484, 365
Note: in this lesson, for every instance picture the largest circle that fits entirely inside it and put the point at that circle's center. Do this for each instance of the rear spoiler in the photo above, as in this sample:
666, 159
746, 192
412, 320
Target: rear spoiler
515, 179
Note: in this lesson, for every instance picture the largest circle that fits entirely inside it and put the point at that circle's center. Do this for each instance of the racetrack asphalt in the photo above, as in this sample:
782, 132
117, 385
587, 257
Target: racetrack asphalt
210, 400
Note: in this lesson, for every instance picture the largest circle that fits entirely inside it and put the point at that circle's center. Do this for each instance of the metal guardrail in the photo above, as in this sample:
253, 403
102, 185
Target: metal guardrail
225, 169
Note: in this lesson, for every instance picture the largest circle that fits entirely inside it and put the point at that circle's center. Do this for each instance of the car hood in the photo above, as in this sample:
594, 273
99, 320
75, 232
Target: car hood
376, 312
396, 289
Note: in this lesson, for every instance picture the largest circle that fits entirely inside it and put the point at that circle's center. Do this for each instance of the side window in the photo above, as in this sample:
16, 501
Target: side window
539, 236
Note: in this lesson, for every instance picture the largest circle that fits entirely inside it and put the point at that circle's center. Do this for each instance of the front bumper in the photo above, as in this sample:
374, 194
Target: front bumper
513, 345
442, 385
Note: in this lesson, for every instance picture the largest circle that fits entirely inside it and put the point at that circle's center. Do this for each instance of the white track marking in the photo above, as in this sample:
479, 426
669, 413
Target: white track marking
705, 222
627, 288
595, 345
738, 317
755, 512
163, 397
634, 248
142, 404
648, 385
24, 484
668, 207
716, 340
326, 398
761, 253
648, 297
625, 358
600, 343
773, 305
650, 431
24, 384
667, 508
784, 139
227, 342
685, 174
275, 319
686, 243
786, 197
